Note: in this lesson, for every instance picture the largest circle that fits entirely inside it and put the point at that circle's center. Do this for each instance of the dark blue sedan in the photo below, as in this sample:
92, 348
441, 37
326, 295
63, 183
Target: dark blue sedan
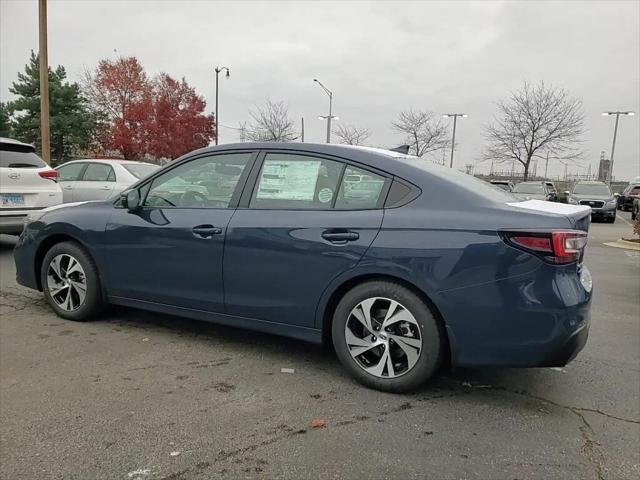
400, 263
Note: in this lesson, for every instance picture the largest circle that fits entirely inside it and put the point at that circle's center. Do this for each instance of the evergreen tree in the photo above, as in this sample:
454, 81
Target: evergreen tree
5, 122
72, 124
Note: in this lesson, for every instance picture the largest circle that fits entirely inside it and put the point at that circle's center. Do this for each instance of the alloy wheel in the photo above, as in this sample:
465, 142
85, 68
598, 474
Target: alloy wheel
66, 282
383, 337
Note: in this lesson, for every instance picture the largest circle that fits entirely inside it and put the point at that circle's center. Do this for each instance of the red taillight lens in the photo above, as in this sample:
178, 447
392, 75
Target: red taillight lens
555, 246
49, 174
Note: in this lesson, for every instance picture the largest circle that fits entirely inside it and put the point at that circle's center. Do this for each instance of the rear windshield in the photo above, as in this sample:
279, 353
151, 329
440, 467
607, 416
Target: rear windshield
9, 159
528, 188
140, 170
586, 189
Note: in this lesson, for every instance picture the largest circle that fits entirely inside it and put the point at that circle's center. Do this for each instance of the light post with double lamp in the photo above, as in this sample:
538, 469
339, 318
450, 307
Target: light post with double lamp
615, 133
218, 70
330, 116
453, 140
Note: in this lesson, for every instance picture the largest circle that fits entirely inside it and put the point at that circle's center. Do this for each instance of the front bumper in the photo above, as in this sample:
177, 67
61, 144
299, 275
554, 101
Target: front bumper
539, 319
608, 212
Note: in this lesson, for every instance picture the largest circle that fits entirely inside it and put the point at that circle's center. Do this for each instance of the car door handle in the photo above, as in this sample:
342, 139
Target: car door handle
206, 231
68, 187
340, 236
106, 187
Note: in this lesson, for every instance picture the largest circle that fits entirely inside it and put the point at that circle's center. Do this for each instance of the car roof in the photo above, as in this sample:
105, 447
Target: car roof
589, 182
532, 181
108, 161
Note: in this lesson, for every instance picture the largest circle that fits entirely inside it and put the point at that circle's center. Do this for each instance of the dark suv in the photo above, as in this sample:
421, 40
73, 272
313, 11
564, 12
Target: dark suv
631, 192
596, 195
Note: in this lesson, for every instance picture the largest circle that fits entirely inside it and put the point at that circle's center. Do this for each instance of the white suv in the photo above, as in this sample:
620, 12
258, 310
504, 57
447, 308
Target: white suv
27, 184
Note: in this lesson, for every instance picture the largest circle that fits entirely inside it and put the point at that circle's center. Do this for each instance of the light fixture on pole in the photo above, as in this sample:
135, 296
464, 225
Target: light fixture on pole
615, 133
218, 70
453, 140
330, 116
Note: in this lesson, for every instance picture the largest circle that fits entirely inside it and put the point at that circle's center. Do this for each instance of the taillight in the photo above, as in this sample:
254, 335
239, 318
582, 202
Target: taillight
554, 246
49, 174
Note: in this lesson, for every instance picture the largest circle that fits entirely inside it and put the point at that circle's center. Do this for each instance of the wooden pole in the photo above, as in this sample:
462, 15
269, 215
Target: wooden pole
44, 84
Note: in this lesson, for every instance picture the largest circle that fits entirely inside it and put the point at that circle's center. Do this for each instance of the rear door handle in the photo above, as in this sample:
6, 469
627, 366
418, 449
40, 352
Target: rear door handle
68, 187
206, 231
340, 236
106, 187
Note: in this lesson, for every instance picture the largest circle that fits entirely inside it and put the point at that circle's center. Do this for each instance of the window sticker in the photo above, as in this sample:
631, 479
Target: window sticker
325, 195
288, 180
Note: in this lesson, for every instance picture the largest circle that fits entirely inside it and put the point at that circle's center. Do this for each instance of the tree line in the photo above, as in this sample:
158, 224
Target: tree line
118, 110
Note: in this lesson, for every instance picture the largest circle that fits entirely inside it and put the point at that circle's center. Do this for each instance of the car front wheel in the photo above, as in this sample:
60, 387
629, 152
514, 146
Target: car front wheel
70, 282
386, 337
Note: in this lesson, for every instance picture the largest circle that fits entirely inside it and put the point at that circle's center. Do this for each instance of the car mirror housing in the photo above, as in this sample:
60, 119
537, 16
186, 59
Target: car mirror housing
130, 199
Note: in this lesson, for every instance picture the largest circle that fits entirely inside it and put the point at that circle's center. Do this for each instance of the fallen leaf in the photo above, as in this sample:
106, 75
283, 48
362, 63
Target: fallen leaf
318, 423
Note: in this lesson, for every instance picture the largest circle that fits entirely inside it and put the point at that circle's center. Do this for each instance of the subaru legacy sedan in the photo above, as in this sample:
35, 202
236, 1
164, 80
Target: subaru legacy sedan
401, 264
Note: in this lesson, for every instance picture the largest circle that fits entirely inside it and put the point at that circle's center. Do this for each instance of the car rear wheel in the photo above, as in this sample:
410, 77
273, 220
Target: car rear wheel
386, 337
70, 282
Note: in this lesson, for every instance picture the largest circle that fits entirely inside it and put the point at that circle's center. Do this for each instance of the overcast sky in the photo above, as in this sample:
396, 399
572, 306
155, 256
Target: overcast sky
377, 57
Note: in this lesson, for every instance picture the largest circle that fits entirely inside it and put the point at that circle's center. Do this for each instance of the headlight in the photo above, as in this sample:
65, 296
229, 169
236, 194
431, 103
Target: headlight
572, 201
611, 203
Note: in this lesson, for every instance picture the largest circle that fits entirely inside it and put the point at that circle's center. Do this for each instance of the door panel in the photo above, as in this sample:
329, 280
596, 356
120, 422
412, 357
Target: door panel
277, 263
96, 183
68, 176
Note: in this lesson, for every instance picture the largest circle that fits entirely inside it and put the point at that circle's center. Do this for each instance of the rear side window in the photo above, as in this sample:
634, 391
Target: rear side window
99, 172
294, 181
140, 170
10, 159
635, 191
359, 190
70, 173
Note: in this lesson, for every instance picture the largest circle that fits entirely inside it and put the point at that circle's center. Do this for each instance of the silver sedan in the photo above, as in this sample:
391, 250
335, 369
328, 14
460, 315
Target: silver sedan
98, 179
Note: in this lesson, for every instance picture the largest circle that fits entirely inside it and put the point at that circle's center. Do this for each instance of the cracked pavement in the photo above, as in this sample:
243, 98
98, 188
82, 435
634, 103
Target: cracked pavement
137, 395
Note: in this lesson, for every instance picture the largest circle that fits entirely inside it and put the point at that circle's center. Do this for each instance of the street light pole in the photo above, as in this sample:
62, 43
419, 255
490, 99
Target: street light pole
453, 140
615, 134
218, 70
330, 116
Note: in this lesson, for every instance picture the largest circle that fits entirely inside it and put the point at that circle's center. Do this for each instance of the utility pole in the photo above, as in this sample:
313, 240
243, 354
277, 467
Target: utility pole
546, 165
302, 133
453, 140
615, 133
218, 70
45, 135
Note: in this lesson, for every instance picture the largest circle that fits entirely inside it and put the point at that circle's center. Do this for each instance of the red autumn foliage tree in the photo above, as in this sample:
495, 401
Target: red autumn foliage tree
177, 123
163, 118
120, 91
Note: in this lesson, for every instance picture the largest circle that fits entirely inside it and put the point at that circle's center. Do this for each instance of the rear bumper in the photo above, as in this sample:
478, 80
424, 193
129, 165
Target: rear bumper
535, 320
12, 224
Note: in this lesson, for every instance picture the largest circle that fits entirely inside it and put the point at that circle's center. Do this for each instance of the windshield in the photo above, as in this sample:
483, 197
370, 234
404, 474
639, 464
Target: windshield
528, 188
140, 170
9, 159
592, 189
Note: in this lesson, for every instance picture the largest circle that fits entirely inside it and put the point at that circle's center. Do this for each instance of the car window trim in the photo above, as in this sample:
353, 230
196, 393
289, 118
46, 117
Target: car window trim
235, 197
252, 181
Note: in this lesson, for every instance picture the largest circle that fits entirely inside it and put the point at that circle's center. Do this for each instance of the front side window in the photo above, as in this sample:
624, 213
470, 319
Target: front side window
359, 190
99, 172
206, 182
295, 181
70, 173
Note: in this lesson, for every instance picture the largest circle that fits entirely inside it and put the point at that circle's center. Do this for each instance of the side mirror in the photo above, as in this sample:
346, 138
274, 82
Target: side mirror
130, 199
616, 195
567, 193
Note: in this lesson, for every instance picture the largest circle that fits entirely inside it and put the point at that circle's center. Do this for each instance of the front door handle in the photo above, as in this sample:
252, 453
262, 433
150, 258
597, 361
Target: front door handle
206, 231
68, 187
337, 236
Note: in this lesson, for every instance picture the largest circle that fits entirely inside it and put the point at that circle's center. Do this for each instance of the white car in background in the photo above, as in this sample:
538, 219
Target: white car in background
27, 184
99, 179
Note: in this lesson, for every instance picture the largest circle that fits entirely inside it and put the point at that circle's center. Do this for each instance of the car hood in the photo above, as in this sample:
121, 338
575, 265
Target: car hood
600, 198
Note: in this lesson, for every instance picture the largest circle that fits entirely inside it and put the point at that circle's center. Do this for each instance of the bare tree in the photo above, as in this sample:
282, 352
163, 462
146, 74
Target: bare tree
424, 131
535, 121
271, 123
351, 135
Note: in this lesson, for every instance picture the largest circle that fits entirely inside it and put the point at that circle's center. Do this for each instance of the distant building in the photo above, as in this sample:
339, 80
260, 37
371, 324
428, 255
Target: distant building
603, 168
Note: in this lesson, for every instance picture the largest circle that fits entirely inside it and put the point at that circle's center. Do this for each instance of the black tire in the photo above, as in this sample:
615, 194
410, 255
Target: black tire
430, 332
93, 302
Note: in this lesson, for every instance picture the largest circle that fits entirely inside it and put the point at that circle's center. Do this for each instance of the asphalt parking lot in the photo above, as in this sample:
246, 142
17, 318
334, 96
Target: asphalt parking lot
142, 396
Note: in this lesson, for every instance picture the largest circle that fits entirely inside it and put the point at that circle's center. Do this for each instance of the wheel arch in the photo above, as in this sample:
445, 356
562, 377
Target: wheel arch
338, 292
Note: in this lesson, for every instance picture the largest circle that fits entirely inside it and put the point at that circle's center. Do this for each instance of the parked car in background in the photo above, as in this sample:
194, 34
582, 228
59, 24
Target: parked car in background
626, 198
551, 188
393, 275
27, 184
506, 185
99, 179
532, 191
597, 196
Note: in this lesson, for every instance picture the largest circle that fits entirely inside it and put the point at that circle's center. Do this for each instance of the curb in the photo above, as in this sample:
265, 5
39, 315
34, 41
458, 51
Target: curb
620, 243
